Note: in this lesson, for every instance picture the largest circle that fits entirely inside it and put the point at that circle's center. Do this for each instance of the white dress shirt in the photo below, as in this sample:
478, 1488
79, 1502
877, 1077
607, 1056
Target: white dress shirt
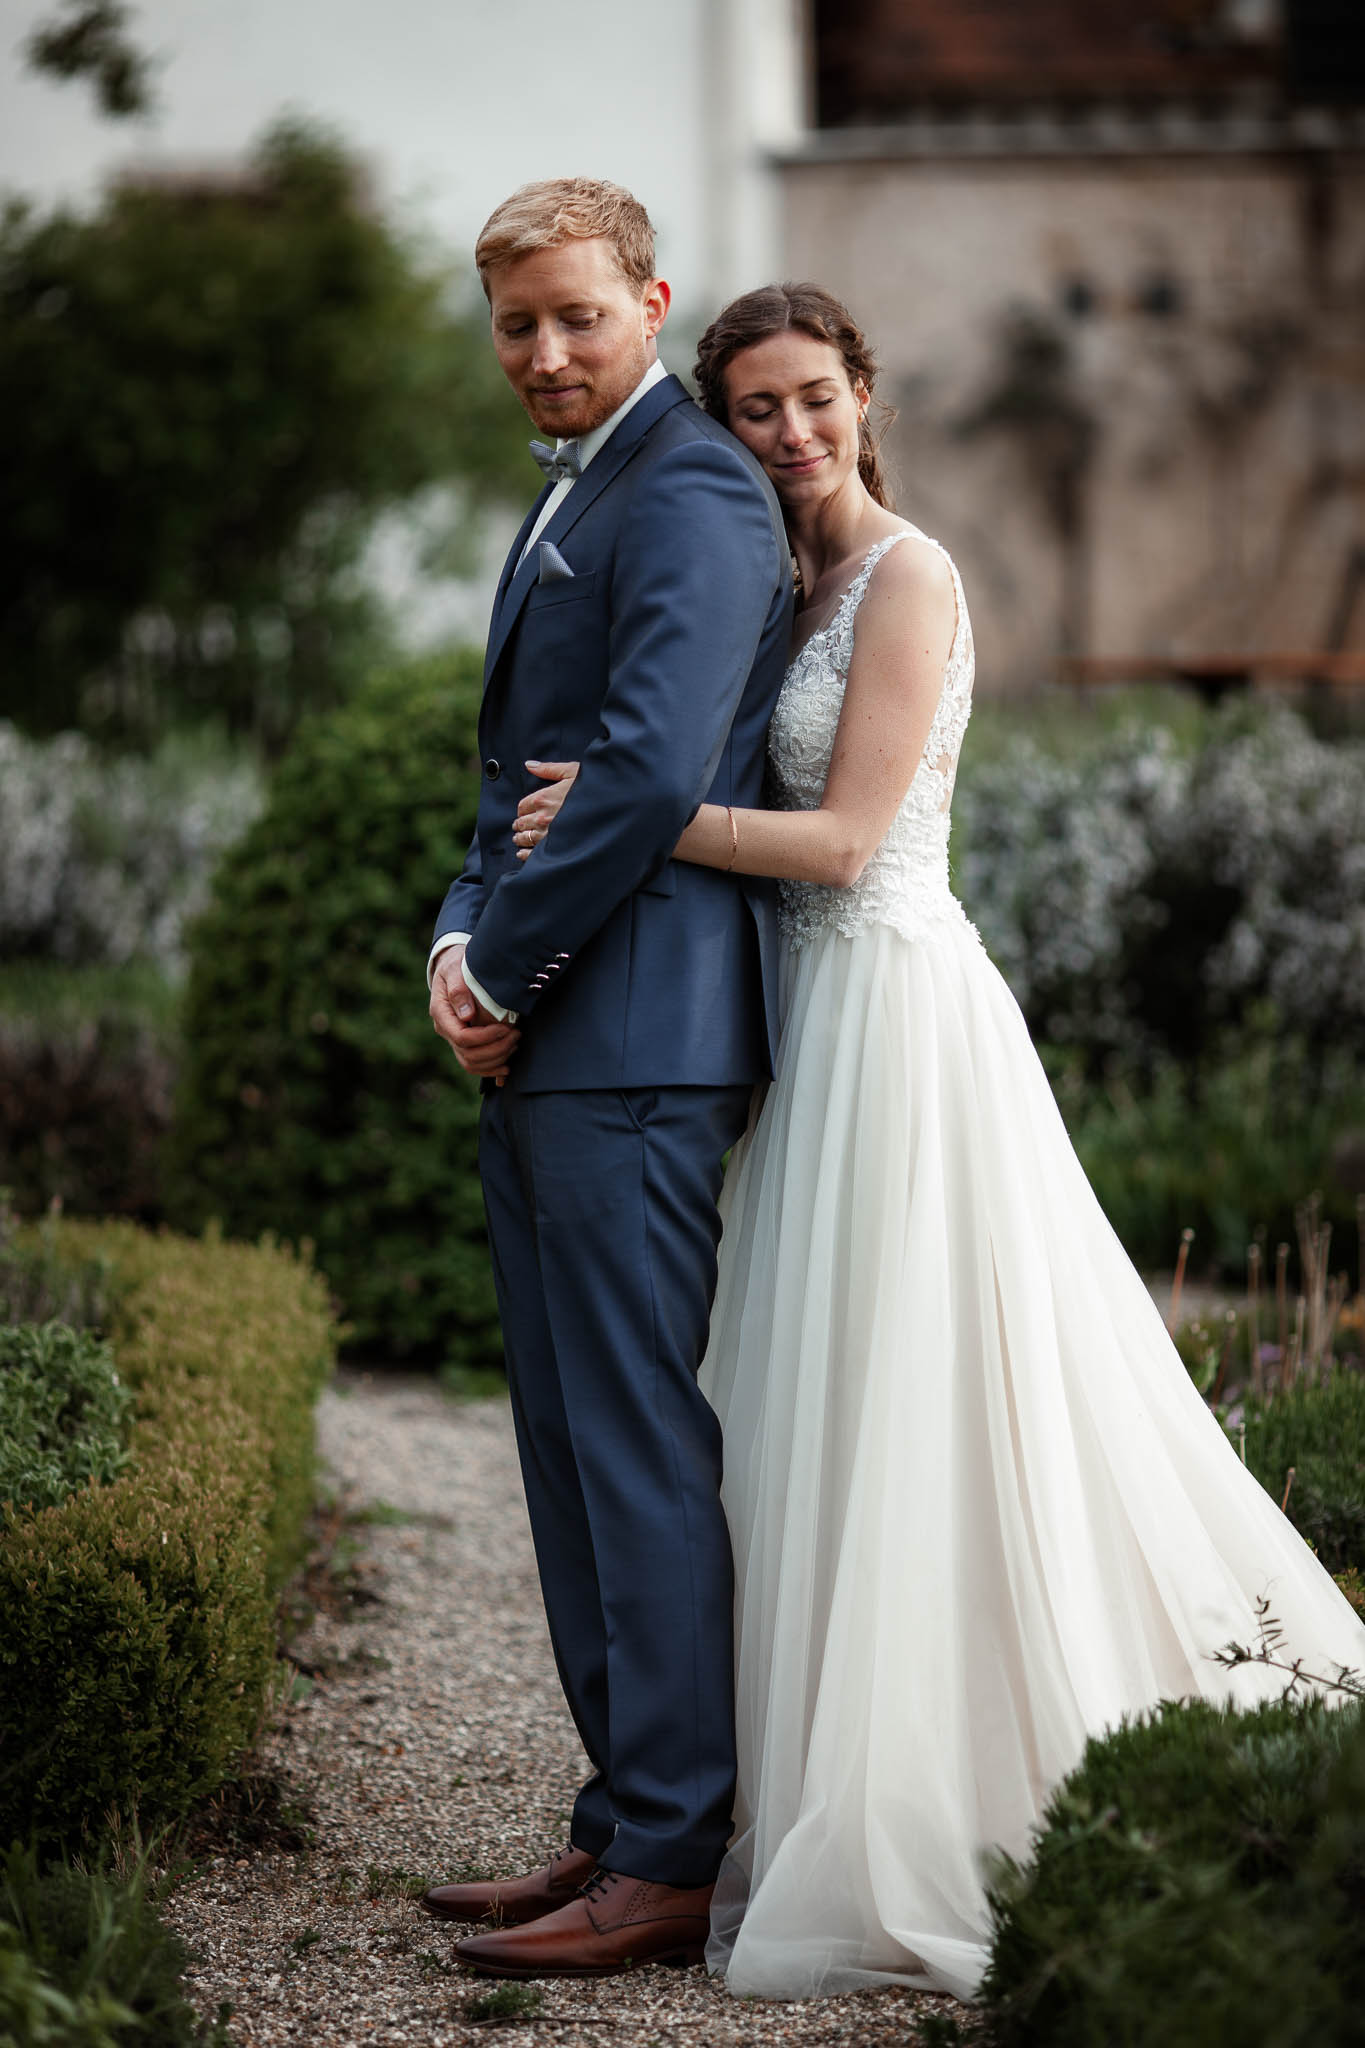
588, 446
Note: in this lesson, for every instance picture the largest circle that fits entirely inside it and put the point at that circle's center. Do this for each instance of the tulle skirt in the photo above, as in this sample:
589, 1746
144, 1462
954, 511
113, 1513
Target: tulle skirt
979, 1511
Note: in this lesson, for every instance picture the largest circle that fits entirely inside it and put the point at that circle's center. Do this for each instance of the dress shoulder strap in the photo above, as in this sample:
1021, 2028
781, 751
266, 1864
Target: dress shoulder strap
857, 589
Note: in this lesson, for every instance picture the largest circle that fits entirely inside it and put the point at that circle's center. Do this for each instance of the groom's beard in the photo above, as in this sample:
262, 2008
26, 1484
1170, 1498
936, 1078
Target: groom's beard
597, 397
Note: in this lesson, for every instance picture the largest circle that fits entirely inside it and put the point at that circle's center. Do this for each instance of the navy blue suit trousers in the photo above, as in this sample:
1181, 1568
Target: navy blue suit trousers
602, 1216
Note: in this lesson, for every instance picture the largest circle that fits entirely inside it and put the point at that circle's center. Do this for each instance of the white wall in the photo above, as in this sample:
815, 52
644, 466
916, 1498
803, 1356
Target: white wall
454, 102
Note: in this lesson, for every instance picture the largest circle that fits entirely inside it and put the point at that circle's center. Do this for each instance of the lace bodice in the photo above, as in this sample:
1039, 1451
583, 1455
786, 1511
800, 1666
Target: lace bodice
905, 883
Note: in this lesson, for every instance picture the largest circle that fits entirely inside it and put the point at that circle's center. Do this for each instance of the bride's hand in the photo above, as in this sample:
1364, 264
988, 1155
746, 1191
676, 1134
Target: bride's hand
536, 812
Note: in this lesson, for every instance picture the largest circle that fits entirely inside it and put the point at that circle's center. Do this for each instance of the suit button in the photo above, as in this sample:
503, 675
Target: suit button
492, 769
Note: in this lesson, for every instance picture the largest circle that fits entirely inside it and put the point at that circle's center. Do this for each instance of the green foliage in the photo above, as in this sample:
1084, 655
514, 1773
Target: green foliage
1225, 1148
107, 855
63, 1413
40, 1283
1320, 1432
317, 1101
472, 1382
1198, 1883
87, 1077
1352, 1584
93, 42
507, 2002
137, 1618
1142, 892
86, 1961
212, 387
1080, 727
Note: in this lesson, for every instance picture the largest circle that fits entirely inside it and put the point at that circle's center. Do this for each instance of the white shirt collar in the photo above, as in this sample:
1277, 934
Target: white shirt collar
589, 444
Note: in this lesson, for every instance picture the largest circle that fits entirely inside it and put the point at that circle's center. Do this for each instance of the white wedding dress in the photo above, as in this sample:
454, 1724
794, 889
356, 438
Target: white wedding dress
979, 1511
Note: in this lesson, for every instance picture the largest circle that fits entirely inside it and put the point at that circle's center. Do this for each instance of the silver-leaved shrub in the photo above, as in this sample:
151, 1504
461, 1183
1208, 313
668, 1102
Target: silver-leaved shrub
1139, 898
103, 860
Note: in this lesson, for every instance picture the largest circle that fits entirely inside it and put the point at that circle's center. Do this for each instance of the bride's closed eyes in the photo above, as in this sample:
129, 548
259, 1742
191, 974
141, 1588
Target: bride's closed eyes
767, 412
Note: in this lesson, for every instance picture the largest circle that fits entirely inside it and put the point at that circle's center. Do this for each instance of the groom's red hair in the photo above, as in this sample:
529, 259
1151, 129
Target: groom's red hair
555, 210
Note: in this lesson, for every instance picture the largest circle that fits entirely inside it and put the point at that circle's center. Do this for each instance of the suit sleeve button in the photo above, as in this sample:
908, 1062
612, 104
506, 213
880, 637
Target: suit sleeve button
492, 769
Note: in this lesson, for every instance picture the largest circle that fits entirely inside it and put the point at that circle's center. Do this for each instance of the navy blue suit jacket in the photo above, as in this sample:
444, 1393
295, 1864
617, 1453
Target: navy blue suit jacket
657, 665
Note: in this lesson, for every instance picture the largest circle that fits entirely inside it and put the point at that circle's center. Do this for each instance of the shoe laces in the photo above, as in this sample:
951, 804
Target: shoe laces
600, 1881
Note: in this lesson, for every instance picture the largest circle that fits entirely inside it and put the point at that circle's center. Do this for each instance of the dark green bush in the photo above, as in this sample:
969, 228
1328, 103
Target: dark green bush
86, 1961
1320, 1432
87, 1075
1198, 1883
63, 1413
137, 1618
1225, 1149
317, 1102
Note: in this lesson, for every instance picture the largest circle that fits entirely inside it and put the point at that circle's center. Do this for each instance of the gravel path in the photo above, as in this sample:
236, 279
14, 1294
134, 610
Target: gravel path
436, 1744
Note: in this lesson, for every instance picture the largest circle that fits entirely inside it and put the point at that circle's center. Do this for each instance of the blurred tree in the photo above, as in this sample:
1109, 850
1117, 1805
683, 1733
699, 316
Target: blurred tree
211, 389
89, 39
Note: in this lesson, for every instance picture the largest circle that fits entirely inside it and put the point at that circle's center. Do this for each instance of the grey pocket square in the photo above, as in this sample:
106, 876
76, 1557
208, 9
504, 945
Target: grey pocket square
553, 567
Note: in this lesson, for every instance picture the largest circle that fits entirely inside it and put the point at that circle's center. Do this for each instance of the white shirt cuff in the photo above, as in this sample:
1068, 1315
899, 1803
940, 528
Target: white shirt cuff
476, 988
487, 1002
443, 945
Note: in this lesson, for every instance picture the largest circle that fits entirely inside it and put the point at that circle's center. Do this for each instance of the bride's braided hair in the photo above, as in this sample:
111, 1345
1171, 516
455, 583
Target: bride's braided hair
773, 309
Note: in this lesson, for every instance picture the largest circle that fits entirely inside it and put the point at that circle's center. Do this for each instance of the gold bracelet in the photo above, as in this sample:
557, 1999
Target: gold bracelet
734, 839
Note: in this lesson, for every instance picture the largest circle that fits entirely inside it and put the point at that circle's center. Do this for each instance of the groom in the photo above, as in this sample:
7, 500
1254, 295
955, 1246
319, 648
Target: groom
620, 1007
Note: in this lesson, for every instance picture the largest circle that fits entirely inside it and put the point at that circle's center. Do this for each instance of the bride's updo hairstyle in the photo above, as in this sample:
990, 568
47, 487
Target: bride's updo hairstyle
773, 309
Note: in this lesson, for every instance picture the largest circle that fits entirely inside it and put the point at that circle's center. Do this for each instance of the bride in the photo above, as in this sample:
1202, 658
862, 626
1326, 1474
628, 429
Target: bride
978, 1509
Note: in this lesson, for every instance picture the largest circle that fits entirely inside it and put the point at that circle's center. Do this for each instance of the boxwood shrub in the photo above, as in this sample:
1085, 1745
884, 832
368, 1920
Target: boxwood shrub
63, 1413
136, 1618
316, 1101
1199, 1882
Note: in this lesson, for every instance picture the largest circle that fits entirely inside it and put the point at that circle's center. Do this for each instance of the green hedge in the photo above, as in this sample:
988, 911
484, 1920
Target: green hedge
136, 1618
1319, 1431
63, 1413
1199, 1883
316, 1101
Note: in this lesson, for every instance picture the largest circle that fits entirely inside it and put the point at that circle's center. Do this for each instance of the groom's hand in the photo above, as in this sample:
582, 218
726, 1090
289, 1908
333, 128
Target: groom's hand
479, 1042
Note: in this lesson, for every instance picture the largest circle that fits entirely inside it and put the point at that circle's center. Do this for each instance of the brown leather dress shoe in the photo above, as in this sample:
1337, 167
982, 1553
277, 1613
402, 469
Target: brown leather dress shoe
616, 1923
512, 1901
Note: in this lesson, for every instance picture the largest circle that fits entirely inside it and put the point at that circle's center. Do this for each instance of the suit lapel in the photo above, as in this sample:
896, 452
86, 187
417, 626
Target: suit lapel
606, 465
508, 577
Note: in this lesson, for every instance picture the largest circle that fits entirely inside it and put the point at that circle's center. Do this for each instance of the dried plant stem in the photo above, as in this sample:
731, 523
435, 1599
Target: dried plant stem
1282, 1299
1182, 1258
1315, 1248
1288, 1484
1336, 1302
1229, 1340
1293, 1360
1254, 1318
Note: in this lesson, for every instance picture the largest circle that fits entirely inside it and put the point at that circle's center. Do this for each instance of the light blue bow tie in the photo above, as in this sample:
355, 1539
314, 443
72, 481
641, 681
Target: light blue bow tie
558, 463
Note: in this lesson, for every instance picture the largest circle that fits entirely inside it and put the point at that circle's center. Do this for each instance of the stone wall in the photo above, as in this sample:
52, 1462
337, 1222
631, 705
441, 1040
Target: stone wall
1131, 388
